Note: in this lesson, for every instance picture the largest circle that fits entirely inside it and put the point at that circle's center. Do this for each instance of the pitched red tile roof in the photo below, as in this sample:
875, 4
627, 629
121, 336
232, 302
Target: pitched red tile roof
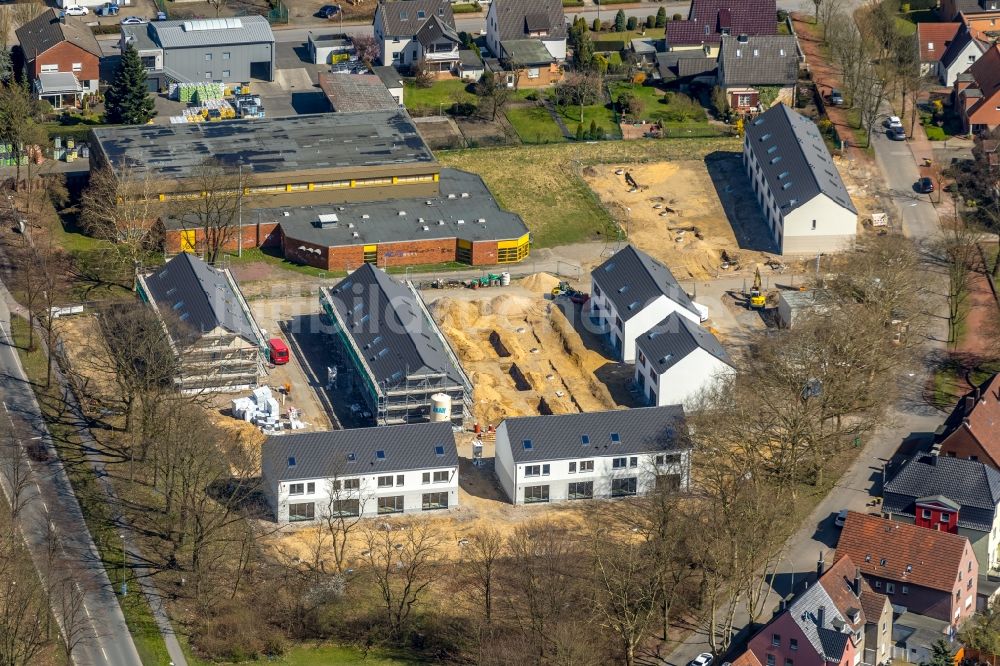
933, 39
977, 414
872, 603
838, 581
748, 658
749, 17
934, 557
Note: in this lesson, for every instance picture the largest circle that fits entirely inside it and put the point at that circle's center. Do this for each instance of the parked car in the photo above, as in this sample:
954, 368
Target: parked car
76, 10
161, 16
836, 97
893, 122
841, 518
133, 20
896, 133
703, 659
328, 11
925, 185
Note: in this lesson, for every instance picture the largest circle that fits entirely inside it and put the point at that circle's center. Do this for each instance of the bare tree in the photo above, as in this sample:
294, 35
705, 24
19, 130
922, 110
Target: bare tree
17, 476
957, 252
366, 48
401, 558
580, 89
482, 557
120, 205
341, 515
73, 620
217, 5
493, 95
216, 211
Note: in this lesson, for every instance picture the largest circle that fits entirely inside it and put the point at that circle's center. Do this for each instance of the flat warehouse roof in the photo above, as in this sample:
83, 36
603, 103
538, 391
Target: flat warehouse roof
268, 146
463, 197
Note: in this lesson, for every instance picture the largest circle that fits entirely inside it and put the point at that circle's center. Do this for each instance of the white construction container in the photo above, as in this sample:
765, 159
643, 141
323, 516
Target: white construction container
440, 408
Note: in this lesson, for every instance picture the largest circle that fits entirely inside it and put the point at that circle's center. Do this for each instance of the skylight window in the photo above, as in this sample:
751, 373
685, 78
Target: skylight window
610, 267
775, 159
616, 438
882, 562
352, 457
420, 13
528, 446
291, 461
439, 451
585, 440
380, 454
765, 137
178, 305
771, 149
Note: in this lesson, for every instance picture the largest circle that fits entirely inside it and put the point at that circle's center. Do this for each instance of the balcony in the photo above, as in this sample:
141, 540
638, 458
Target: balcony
441, 56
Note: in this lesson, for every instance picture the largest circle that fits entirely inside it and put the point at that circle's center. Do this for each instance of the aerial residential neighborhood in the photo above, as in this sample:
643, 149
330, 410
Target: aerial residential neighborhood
639, 332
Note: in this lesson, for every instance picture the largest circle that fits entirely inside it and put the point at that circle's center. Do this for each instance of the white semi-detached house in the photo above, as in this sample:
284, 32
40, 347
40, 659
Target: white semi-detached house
631, 293
593, 455
677, 361
798, 187
410, 31
364, 471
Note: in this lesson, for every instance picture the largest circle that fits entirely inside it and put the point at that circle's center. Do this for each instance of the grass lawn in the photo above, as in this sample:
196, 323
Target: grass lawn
599, 113
534, 124
430, 100
548, 192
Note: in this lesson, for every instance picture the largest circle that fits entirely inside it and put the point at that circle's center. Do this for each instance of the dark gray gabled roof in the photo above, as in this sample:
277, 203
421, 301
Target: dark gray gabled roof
196, 298
46, 31
958, 43
391, 330
825, 640
673, 339
404, 18
973, 485
324, 455
684, 64
632, 279
434, 29
794, 159
562, 436
517, 19
762, 60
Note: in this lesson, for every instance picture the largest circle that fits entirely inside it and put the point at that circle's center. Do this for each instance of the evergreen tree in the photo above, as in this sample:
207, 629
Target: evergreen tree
596, 27
620, 21
941, 654
583, 53
6, 66
126, 101
632, 23
651, 21
594, 131
661, 17
580, 134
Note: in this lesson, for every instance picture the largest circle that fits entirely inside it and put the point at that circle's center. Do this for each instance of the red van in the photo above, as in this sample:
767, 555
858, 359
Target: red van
278, 350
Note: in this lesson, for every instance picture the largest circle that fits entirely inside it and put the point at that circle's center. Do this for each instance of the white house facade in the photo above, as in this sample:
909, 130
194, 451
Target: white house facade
597, 455
361, 472
405, 38
631, 293
961, 54
678, 361
797, 185
514, 20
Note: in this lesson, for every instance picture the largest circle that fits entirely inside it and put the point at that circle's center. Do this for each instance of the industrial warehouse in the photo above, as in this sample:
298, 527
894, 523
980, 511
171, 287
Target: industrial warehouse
333, 190
392, 353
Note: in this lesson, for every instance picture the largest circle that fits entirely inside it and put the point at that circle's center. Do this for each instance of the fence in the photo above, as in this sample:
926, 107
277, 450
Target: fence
278, 13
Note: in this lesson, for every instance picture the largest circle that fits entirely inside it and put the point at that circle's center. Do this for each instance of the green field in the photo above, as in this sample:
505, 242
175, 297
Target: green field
548, 192
442, 94
534, 124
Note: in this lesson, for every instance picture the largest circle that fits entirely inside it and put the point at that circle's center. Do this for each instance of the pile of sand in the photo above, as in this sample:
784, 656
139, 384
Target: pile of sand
540, 282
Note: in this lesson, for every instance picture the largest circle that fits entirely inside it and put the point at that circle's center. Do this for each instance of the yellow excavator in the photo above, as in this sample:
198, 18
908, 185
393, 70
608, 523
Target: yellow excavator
757, 296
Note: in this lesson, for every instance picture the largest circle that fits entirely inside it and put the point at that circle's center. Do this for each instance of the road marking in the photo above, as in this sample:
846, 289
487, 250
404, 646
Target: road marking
104, 652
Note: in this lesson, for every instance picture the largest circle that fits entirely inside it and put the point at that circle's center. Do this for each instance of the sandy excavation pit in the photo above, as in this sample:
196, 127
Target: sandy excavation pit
522, 355
675, 215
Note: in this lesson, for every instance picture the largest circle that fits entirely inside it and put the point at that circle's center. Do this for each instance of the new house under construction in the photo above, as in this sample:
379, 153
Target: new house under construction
218, 344
392, 353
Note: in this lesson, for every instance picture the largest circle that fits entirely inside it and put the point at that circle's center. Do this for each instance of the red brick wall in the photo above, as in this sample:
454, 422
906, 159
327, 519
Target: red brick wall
293, 253
416, 252
265, 236
65, 55
346, 257
961, 444
484, 253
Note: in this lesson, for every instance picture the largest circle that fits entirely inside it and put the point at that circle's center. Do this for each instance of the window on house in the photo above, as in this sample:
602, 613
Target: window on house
904, 589
301, 511
972, 59
597, 291
968, 585
348, 507
441, 477
878, 585
532, 470
425, 478
890, 588
788, 662
310, 488
642, 359
770, 657
400, 479
49, 68
533, 73
618, 323
390, 504
385, 481
572, 467
77, 66
534, 494
930, 46
814, 225
776, 640
208, 76
743, 100
633, 461
623, 487
226, 73
793, 644
944, 517
580, 490
586, 466
226, 55
296, 488
352, 484
619, 463
431, 501
926, 513
208, 57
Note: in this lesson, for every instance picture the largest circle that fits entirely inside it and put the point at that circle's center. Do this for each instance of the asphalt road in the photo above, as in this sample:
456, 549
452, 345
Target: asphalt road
895, 161
49, 500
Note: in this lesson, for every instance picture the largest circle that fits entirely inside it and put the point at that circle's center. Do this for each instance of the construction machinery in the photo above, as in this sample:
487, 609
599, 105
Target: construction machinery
757, 297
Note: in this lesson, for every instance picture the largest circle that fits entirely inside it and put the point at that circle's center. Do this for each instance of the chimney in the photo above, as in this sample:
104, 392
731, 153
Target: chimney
820, 565
820, 616
979, 395
970, 403
857, 582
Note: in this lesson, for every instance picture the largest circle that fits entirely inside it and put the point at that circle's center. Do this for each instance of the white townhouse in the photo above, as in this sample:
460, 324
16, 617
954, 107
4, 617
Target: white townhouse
591, 455
363, 471
797, 185
678, 360
515, 21
408, 31
962, 53
631, 293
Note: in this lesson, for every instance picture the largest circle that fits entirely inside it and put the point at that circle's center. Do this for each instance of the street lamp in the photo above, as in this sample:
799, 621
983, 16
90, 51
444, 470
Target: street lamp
124, 564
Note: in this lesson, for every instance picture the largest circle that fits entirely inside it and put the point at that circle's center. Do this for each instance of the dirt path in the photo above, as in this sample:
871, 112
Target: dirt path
826, 77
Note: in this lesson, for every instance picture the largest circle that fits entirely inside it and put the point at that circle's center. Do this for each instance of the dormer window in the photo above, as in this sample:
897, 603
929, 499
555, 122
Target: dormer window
930, 46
